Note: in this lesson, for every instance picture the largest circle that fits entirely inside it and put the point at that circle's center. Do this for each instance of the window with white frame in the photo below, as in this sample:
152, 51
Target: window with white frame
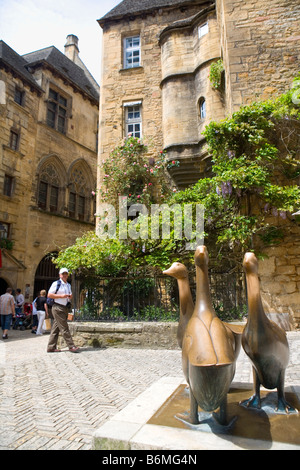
132, 52
133, 119
202, 108
202, 30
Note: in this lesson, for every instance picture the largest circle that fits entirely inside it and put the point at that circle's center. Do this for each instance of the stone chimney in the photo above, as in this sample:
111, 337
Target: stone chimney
71, 47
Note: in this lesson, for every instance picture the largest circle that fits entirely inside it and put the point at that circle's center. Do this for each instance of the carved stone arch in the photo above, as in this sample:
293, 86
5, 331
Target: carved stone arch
56, 161
51, 183
80, 165
80, 187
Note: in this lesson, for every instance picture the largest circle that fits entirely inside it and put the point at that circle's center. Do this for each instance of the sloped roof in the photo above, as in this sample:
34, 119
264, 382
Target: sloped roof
17, 63
62, 64
130, 7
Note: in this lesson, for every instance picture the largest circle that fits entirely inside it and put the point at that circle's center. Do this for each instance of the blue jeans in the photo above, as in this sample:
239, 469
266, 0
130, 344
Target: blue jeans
6, 321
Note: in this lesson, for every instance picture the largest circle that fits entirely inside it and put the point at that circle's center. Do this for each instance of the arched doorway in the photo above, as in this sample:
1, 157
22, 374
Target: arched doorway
3, 286
46, 273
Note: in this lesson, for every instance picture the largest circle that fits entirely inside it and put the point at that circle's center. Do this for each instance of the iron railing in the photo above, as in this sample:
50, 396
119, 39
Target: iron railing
154, 298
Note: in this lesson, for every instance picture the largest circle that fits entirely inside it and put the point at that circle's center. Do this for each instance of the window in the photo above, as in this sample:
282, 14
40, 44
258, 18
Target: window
42, 198
202, 108
14, 140
203, 30
4, 230
133, 119
77, 195
81, 207
54, 198
19, 96
132, 52
72, 204
48, 192
57, 111
8, 185
77, 209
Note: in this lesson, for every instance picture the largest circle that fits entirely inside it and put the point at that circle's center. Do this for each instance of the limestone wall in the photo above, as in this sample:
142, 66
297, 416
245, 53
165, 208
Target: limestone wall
280, 278
119, 85
154, 335
260, 46
36, 232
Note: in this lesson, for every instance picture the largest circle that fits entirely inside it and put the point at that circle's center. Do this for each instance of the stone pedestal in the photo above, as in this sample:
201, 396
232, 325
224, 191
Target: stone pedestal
150, 423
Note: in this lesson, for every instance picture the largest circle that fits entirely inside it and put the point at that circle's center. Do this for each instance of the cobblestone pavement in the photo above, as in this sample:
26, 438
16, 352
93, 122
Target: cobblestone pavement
56, 401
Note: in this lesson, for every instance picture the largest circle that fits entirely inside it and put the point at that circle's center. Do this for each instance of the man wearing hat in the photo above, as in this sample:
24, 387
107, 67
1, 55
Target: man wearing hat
60, 291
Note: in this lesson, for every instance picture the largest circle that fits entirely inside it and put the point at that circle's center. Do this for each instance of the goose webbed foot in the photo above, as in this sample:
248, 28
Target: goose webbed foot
252, 402
284, 407
188, 418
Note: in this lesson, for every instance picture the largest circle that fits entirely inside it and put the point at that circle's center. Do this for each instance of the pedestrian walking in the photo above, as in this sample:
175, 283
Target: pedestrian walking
19, 302
61, 292
7, 311
41, 311
35, 321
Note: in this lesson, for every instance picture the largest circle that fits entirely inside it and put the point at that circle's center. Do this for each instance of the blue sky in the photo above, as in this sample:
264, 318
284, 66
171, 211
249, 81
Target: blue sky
29, 25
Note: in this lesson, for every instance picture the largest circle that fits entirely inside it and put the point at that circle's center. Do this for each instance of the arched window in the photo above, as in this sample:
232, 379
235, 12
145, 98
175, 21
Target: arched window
79, 193
48, 190
202, 108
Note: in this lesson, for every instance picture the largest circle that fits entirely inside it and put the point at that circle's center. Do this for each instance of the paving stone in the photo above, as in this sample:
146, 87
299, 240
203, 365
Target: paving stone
57, 401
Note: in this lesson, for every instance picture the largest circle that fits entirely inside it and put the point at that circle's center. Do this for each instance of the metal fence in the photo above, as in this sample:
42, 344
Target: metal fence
155, 298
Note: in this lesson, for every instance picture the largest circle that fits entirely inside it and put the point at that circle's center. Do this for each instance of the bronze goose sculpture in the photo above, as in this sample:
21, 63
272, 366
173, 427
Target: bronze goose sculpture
180, 272
264, 342
208, 351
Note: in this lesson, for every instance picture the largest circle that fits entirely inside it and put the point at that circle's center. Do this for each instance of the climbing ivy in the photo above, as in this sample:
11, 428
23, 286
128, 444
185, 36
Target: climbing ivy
215, 74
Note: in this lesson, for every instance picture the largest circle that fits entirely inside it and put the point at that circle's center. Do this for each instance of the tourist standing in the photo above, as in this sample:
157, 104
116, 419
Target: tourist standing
7, 311
35, 321
19, 302
60, 291
41, 311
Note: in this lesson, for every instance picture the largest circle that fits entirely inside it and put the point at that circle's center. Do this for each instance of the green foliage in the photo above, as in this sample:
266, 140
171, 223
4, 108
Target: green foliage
130, 172
255, 155
252, 154
215, 74
7, 244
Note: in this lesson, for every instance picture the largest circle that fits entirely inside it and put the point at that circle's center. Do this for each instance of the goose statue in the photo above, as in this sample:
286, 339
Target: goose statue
264, 342
186, 303
208, 350
180, 272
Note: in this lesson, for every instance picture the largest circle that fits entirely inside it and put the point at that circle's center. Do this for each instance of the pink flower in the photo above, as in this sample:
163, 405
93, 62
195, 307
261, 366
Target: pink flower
93, 193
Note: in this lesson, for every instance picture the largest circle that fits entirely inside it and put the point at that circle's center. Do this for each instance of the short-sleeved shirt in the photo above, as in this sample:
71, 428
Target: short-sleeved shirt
6, 304
40, 303
65, 288
20, 300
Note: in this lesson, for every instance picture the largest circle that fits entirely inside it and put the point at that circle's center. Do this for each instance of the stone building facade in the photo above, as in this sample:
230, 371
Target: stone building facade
48, 157
157, 57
